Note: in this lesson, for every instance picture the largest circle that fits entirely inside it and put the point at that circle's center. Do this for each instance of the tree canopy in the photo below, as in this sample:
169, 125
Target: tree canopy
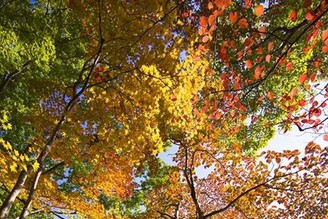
92, 91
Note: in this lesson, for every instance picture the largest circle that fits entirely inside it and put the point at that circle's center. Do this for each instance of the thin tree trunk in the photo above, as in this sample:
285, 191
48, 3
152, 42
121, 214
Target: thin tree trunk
6, 205
28, 202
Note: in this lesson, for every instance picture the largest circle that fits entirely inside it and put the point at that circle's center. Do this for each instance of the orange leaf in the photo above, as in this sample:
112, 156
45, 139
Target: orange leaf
218, 12
203, 21
205, 39
325, 137
249, 63
202, 31
233, 17
243, 23
325, 37
302, 78
210, 5
325, 49
223, 4
259, 10
289, 66
258, 72
310, 16
302, 102
312, 76
317, 63
270, 95
236, 86
211, 20
268, 58
293, 15
248, 3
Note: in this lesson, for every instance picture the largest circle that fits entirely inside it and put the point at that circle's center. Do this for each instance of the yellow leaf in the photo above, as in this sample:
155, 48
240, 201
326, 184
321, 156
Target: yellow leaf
13, 167
16, 153
7, 126
5, 117
6, 144
35, 165
22, 157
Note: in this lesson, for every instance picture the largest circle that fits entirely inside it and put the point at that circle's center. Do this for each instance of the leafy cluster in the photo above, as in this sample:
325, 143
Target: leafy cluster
92, 91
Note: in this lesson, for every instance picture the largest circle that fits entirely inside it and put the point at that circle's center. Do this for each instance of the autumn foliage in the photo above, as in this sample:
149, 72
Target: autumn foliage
93, 91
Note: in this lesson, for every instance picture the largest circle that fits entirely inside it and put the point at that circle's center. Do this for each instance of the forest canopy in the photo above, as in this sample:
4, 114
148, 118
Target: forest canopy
92, 91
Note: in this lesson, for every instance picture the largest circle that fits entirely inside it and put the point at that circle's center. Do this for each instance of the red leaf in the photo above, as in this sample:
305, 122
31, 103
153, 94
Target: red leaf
302, 78
312, 76
325, 49
203, 21
258, 72
310, 16
236, 86
233, 16
248, 63
293, 15
302, 102
211, 20
185, 14
289, 66
243, 23
248, 3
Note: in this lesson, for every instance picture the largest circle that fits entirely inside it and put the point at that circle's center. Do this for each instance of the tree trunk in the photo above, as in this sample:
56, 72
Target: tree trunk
28, 202
6, 205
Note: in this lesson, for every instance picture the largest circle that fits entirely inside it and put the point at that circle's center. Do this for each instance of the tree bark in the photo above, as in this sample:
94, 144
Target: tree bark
28, 202
6, 205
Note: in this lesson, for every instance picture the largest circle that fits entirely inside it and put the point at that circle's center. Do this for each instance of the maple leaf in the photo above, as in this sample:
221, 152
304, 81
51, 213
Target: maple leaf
302, 78
243, 23
233, 16
13, 167
259, 10
35, 165
293, 15
270, 95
